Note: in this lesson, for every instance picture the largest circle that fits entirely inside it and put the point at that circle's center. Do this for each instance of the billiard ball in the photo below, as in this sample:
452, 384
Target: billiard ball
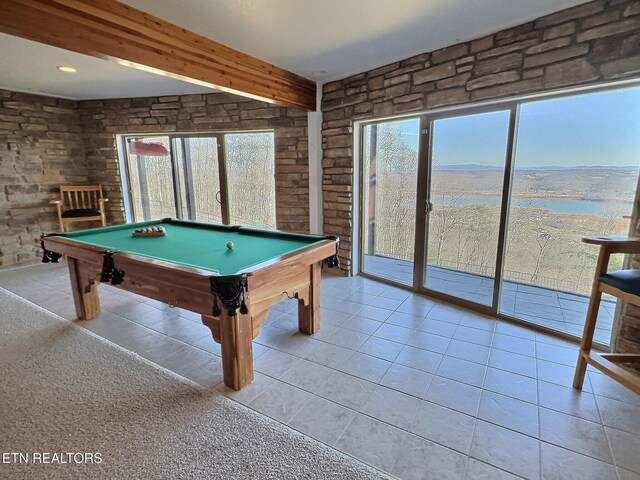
229, 245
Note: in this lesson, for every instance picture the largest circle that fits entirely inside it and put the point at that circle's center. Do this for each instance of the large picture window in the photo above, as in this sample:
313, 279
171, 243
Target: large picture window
219, 177
501, 196
575, 172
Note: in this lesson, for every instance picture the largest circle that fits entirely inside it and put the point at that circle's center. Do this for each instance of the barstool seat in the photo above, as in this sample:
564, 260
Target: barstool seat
626, 280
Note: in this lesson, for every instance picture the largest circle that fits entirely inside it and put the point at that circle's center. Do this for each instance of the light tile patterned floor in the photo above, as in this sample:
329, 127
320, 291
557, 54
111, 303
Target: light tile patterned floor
554, 309
412, 386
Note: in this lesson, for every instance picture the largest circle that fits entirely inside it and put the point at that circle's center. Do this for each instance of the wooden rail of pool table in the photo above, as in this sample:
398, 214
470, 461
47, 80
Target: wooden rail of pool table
296, 274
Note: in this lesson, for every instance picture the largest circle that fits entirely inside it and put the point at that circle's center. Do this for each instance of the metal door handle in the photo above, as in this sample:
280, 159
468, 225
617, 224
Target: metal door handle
218, 197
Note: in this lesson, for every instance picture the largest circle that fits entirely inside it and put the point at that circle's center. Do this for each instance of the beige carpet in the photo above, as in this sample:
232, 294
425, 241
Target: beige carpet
64, 390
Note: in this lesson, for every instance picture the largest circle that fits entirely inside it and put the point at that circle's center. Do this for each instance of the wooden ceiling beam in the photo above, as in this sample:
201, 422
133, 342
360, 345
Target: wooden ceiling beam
114, 31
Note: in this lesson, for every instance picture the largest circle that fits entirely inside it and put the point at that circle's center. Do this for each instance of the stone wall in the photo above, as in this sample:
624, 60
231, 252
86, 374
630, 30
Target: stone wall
103, 119
593, 43
46, 142
40, 149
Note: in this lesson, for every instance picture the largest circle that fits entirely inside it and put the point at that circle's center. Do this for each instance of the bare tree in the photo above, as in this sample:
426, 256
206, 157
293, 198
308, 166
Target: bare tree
396, 197
543, 241
443, 221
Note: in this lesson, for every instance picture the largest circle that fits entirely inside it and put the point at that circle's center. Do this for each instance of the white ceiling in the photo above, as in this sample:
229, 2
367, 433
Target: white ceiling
322, 40
30, 67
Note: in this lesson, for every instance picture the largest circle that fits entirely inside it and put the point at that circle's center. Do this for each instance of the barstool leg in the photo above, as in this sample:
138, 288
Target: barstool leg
587, 337
590, 319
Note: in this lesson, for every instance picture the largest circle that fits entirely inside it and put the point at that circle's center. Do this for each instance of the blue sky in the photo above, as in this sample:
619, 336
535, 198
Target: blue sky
596, 129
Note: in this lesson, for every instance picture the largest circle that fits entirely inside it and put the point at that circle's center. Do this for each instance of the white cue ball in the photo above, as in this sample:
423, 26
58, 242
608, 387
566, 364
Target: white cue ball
229, 245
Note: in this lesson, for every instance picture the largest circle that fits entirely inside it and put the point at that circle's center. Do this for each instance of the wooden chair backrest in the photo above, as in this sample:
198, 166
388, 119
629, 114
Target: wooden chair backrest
84, 196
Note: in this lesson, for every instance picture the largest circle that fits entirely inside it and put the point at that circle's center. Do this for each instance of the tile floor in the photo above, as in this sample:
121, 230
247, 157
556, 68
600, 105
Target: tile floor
412, 386
554, 309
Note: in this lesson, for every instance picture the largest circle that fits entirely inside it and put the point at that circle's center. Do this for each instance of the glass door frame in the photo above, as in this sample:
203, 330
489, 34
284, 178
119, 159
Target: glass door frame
423, 199
361, 208
122, 145
219, 135
222, 172
425, 166
424, 161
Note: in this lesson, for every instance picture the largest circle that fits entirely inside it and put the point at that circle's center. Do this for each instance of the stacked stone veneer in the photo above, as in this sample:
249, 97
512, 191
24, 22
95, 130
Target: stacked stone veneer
102, 120
40, 149
47, 142
593, 43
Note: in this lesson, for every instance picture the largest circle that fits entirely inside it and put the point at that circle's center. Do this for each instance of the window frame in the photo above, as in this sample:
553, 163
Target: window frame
183, 211
427, 117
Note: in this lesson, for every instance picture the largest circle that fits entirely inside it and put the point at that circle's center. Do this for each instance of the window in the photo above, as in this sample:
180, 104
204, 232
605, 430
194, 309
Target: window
390, 154
468, 155
219, 177
250, 178
575, 174
496, 199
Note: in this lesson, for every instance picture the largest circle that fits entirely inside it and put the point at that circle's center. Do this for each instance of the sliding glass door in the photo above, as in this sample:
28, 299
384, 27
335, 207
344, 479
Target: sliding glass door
202, 175
151, 177
575, 174
219, 178
390, 173
464, 204
494, 201
250, 173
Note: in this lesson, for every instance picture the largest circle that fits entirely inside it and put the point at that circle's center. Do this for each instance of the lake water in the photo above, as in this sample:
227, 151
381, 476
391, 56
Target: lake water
566, 206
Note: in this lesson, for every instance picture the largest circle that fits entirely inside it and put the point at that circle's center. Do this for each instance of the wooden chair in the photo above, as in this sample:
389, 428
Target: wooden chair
82, 203
623, 284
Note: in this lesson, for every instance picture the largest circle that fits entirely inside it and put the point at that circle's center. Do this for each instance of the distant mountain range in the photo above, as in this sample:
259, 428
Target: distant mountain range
470, 167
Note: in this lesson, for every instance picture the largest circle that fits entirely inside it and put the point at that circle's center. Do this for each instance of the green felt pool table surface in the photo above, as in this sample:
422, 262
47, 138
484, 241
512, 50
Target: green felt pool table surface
198, 245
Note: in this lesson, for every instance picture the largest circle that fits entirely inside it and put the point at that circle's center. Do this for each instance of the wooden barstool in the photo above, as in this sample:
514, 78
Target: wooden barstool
623, 284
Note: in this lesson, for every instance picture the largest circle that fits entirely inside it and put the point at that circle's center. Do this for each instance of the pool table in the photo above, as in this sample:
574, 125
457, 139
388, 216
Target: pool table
192, 267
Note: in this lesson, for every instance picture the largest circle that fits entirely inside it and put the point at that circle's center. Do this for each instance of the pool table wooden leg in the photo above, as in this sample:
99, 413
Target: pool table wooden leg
236, 336
85, 289
309, 314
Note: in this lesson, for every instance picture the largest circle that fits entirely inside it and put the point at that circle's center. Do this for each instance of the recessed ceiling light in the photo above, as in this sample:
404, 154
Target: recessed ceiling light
66, 68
